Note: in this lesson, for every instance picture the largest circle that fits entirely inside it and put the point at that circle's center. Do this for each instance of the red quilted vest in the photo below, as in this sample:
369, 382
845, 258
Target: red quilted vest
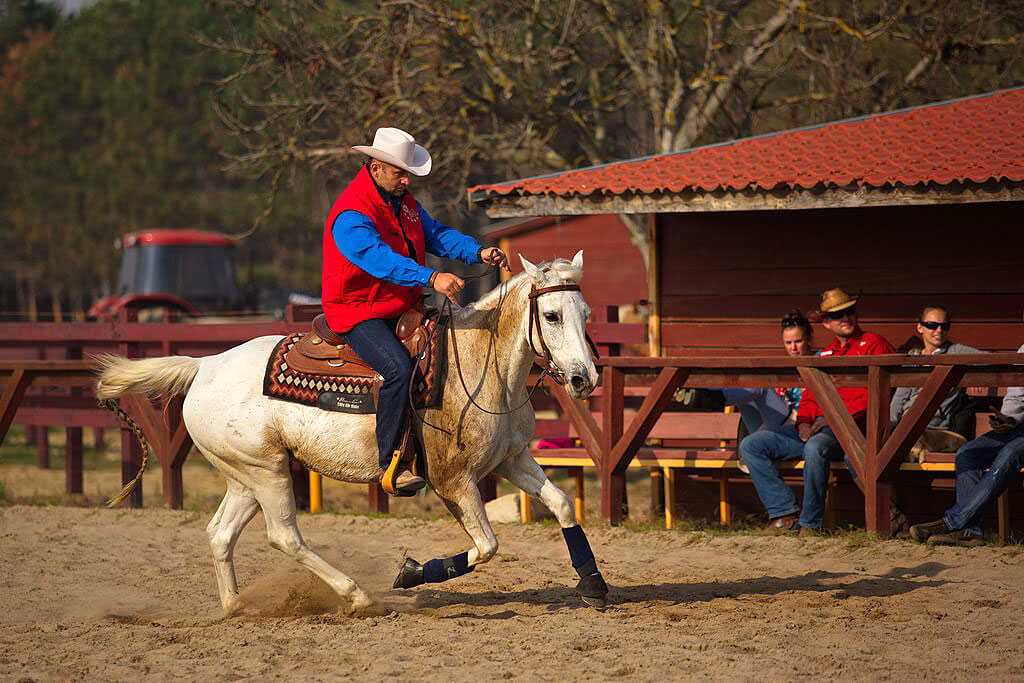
350, 294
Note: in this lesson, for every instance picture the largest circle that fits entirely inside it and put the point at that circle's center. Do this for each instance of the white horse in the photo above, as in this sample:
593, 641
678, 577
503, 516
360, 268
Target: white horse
250, 437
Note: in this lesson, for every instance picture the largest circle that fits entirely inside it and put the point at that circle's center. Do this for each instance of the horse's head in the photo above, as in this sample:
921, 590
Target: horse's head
557, 329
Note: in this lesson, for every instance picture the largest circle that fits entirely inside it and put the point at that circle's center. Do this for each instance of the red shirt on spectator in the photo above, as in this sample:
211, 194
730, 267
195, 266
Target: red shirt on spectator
855, 399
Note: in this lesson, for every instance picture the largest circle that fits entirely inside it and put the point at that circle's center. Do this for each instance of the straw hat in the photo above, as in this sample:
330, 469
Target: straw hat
836, 300
396, 147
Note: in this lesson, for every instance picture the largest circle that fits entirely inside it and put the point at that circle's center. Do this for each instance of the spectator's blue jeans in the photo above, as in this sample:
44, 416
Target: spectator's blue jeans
758, 407
1003, 455
760, 451
376, 343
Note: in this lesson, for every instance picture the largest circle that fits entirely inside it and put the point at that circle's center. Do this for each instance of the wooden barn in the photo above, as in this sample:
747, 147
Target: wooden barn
616, 274
904, 208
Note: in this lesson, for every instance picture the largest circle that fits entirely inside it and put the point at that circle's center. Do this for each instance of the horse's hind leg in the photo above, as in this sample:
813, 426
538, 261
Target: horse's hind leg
238, 507
524, 472
276, 498
467, 507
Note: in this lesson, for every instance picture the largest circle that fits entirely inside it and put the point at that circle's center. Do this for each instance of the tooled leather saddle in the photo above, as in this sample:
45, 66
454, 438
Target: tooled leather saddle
318, 368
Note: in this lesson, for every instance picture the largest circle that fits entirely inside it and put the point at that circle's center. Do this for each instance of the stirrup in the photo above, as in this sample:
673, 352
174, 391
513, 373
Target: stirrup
387, 480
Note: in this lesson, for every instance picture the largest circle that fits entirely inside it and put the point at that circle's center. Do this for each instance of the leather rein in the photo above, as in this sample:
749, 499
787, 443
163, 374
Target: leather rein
556, 374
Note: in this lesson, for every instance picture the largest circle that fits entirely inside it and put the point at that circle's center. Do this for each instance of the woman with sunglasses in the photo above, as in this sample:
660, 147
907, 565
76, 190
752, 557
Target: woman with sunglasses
760, 408
933, 325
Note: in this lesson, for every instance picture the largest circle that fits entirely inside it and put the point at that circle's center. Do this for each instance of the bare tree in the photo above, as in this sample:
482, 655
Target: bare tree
509, 88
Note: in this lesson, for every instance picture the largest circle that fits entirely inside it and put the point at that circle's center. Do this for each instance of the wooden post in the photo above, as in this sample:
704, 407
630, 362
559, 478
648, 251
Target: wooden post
877, 493
580, 503
653, 288
1003, 515
300, 484
131, 449
670, 497
488, 487
73, 435
131, 461
613, 484
724, 499
316, 501
525, 513
657, 492
42, 433
378, 498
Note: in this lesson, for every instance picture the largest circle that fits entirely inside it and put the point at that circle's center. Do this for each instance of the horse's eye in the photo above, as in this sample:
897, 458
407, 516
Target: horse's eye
551, 317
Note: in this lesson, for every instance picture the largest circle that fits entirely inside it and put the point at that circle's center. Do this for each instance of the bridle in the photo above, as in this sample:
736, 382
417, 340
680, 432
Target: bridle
553, 370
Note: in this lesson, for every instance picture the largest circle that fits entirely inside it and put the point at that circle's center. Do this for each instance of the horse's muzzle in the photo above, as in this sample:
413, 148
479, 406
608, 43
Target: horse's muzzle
580, 384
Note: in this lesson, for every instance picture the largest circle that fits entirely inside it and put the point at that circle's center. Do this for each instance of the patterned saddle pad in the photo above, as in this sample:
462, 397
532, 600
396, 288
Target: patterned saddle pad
349, 386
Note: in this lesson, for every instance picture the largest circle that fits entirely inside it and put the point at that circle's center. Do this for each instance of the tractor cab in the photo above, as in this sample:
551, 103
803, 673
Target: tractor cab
188, 272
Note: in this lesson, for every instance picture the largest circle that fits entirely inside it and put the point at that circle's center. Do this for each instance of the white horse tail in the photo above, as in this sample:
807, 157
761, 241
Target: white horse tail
153, 376
166, 376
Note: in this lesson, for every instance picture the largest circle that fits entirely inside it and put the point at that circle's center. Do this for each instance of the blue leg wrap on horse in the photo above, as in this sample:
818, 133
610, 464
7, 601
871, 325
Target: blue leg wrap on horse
436, 571
579, 548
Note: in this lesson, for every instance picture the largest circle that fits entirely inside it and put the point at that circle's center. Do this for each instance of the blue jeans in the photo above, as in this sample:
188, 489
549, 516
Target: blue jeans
1003, 455
758, 407
376, 343
762, 450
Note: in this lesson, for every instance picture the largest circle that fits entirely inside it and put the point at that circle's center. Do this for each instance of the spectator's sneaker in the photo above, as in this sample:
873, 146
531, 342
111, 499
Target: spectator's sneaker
960, 537
922, 532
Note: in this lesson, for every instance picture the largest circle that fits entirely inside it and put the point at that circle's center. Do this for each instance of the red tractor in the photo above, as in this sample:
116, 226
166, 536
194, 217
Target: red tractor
187, 272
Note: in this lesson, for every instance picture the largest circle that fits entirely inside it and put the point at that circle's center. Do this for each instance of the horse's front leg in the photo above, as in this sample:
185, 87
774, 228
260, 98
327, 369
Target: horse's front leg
467, 507
524, 472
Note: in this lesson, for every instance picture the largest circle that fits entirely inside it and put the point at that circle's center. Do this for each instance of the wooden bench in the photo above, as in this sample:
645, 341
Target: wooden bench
706, 443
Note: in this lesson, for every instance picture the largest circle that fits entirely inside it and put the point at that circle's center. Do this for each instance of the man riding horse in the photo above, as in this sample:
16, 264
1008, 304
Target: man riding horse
375, 242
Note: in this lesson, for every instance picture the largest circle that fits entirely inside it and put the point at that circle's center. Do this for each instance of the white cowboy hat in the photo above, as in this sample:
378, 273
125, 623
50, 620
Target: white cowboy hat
396, 147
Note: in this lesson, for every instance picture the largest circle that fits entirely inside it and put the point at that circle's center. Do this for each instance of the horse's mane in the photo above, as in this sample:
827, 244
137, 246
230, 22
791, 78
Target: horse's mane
559, 271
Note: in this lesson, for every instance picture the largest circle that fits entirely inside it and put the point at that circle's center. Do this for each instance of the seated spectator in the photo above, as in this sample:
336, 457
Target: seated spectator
760, 408
1001, 452
811, 438
933, 326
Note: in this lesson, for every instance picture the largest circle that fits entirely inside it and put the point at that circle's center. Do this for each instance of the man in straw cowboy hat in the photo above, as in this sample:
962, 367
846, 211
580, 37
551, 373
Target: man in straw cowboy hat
811, 438
375, 242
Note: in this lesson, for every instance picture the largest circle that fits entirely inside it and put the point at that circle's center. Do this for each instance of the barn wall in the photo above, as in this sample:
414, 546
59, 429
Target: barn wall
727, 278
614, 271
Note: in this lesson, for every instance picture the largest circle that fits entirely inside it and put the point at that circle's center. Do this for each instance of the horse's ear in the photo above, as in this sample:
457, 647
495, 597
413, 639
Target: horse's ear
577, 260
530, 269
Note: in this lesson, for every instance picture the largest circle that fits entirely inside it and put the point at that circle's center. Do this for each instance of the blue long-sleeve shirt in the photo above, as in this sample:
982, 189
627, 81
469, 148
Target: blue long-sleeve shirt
360, 243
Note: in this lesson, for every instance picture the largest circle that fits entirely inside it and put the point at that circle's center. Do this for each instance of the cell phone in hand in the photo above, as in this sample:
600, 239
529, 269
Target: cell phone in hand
997, 418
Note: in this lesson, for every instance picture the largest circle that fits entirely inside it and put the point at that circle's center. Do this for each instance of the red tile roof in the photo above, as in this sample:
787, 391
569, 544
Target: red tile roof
979, 138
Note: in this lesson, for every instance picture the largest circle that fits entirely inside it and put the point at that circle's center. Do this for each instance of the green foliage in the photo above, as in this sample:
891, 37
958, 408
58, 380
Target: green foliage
201, 113
110, 128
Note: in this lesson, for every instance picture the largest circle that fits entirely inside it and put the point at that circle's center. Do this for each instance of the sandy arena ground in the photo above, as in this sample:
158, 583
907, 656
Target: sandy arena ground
98, 594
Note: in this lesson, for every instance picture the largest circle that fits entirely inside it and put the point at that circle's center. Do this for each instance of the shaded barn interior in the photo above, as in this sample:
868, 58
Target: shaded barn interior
726, 278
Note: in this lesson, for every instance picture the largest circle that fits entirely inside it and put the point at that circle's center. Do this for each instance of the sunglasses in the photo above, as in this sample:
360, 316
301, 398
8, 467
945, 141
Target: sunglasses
793, 322
839, 315
932, 325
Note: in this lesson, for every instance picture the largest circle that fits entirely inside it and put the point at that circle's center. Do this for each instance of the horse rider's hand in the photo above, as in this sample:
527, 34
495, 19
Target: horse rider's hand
803, 430
495, 257
449, 285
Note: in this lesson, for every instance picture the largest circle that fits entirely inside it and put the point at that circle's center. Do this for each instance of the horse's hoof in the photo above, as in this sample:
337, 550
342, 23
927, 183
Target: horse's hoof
410, 575
593, 590
367, 608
